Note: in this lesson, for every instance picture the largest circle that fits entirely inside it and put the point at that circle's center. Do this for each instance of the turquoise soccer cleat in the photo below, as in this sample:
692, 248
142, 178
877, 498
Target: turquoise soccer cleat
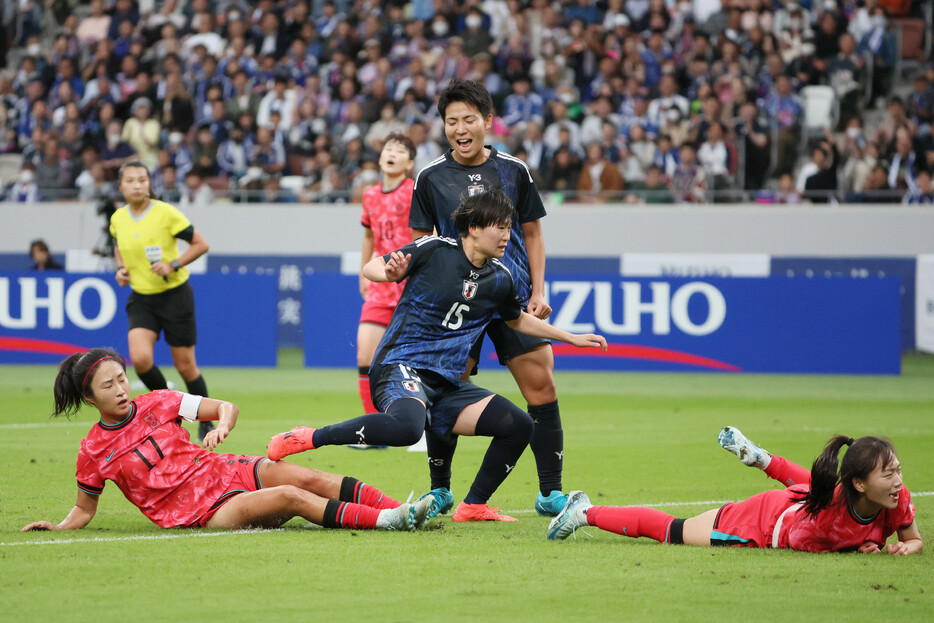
550, 505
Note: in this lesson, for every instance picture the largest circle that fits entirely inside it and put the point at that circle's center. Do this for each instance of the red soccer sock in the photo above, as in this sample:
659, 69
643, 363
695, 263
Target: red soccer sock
353, 490
632, 521
786, 472
363, 384
349, 516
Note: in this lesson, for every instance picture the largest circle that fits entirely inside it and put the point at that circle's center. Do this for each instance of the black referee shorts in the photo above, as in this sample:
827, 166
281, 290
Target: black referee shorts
172, 312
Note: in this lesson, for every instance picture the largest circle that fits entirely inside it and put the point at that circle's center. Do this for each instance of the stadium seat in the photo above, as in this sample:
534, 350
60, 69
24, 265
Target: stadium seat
821, 109
9, 169
913, 42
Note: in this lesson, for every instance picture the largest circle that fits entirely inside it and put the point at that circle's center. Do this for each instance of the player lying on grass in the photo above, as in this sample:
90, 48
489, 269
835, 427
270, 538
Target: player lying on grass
140, 445
453, 288
822, 510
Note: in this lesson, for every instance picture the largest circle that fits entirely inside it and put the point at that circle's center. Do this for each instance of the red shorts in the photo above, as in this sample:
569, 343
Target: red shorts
750, 523
376, 313
246, 478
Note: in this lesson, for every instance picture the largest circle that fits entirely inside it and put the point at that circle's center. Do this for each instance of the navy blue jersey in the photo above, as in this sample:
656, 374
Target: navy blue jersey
440, 185
446, 304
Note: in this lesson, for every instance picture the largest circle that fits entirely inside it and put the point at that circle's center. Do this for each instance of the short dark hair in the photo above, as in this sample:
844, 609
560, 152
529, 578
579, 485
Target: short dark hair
468, 92
492, 207
406, 142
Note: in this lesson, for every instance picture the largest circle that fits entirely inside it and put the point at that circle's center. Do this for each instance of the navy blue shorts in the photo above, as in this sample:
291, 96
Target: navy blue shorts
445, 400
509, 344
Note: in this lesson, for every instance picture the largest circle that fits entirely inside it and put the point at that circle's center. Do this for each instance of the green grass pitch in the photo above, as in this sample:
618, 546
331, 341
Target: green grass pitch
645, 439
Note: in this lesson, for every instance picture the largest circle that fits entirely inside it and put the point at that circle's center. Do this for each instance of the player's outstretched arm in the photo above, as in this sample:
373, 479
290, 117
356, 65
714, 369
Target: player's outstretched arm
225, 412
530, 325
380, 270
909, 541
80, 516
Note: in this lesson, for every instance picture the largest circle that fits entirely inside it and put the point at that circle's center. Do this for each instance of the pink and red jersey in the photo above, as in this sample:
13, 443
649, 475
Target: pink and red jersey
150, 457
754, 522
839, 528
387, 215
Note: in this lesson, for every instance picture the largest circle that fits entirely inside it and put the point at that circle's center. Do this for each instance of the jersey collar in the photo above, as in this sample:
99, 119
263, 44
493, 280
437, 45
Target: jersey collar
122, 423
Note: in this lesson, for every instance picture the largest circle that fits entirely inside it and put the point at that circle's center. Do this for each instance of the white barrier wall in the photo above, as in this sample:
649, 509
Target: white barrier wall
570, 230
924, 304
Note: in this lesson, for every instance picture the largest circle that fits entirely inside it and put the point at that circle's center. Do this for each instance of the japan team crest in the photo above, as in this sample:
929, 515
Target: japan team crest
411, 386
474, 189
470, 289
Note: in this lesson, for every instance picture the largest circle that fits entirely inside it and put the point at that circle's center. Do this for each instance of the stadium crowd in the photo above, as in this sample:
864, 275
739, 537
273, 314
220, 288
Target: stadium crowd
653, 101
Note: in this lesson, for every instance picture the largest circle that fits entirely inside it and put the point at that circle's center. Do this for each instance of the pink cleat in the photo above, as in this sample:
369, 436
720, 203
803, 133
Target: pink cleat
296, 440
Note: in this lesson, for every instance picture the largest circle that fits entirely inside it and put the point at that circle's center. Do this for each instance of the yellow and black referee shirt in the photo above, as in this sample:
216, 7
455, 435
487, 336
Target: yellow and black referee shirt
149, 238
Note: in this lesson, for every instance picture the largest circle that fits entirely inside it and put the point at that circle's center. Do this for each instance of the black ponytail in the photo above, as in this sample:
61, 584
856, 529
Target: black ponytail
863, 455
73, 382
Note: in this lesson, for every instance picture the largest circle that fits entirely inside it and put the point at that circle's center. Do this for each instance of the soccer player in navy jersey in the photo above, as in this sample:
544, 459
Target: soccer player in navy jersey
470, 167
453, 289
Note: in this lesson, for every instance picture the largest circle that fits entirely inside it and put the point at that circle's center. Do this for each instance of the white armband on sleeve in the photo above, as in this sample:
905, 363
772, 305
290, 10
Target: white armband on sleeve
189, 407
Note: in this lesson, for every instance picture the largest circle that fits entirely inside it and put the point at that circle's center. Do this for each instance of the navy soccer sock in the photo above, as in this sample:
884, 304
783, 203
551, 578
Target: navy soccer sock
197, 387
401, 425
440, 455
153, 379
511, 428
547, 445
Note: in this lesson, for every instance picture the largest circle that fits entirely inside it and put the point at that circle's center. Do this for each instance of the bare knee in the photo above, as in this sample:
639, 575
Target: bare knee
313, 481
188, 370
142, 362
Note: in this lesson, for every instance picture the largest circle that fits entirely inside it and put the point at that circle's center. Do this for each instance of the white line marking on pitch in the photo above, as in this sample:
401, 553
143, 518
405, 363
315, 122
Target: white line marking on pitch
186, 535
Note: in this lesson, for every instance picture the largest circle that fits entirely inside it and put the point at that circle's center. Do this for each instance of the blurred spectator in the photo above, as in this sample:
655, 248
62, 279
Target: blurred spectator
599, 178
233, 155
53, 173
268, 155
923, 194
689, 182
92, 184
563, 171
196, 191
561, 121
715, 157
921, 103
820, 186
653, 190
785, 110
523, 105
476, 34
638, 156
204, 154
755, 142
787, 193
905, 163
386, 125
876, 189
861, 157
880, 43
24, 190
94, 27
669, 100
666, 156
426, 149
844, 72
280, 99
41, 256
142, 132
